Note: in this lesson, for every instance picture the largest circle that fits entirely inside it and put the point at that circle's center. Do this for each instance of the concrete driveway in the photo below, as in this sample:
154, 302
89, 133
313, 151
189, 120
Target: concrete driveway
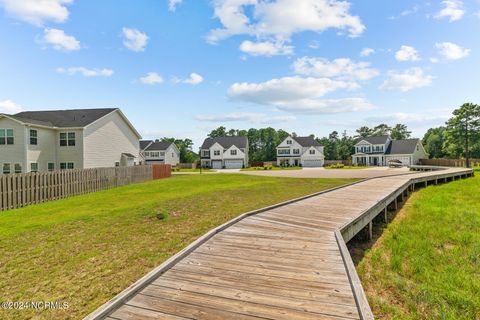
330, 173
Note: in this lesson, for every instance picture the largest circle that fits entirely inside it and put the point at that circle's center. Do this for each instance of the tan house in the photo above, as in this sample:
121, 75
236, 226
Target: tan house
66, 139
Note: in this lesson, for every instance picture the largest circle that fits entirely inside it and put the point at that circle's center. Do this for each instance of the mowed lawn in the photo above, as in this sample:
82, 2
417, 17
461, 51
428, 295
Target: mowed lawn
86, 249
426, 265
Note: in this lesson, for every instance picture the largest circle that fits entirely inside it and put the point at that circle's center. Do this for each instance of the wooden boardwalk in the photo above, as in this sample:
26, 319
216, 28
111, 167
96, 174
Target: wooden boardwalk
286, 262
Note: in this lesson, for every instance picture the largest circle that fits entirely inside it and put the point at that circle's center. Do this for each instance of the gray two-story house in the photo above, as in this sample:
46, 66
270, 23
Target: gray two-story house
159, 152
379, 150
66, 139
224, 153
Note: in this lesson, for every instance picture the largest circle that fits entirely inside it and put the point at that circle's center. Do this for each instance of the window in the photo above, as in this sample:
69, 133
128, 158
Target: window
117, 164
51, 166
216, 152
418, 148
18, 168
6, 168
284, 151
147, 154
312, 151
162, 154
206, 153
233, 152
289, 141
67, 139
6, 136
34, 167
296, 151
33, 137
66, 165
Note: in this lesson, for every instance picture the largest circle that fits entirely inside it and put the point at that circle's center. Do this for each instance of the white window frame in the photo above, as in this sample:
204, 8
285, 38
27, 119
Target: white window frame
30, 137
5, 132
31, 163
233, 152
48, 166
289, 141
216, 152
312, 151
67, 140
15, 167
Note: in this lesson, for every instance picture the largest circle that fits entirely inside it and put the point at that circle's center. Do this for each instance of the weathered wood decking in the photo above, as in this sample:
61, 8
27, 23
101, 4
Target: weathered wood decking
286, 262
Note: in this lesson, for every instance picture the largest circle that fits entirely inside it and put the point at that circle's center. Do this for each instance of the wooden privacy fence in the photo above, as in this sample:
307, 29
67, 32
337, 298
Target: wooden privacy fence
22, 189
449, 162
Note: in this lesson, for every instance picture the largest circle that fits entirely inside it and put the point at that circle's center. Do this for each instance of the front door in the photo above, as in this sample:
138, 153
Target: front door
375, 161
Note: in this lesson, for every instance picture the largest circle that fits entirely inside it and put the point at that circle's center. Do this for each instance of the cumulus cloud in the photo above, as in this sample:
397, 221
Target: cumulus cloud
151, 78
407, 80
134, 39
407, 53
367, 52
172, 4
282, 18
452, 51
452, 9
37, 12
342, 68
86, 72
298, 94
194, 79
60, 41
266, 48
252, 117
9, 107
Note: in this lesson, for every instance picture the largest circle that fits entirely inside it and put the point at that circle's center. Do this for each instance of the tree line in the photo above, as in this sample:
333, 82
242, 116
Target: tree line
458, 138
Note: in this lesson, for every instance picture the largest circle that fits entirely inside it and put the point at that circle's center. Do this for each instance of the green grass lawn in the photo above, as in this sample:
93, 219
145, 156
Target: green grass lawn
86, 249
426, 265
347, 167
271, 168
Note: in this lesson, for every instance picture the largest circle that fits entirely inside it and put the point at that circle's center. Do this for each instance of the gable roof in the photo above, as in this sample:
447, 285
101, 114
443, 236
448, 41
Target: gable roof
226, 142
307, 141
158, 146
376, 139
63, 118
406, 146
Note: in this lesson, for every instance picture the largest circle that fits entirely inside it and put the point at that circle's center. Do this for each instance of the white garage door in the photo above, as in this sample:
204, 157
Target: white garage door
405, 160
313, 163
233, 164
217, 164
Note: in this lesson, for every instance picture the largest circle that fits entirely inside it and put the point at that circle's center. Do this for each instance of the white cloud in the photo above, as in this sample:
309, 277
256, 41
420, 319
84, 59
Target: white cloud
342, 68
265, 48
134, 39
60, 41
452, 51
151, 78
172, 4
86, 72
252, 117
366, 52
37, 12
9, 107
407, 53
452, 9
434, 60
282, 18
298, 94
194, 79
407, 80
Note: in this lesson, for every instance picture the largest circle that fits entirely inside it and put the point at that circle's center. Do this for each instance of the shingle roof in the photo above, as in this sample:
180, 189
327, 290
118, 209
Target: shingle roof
376, 139
145, 143
156, 146
406, 146
226, 142
63, 118
307, 141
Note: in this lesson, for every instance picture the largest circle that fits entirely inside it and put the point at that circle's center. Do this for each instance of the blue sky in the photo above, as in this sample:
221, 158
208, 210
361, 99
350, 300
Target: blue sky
181, 68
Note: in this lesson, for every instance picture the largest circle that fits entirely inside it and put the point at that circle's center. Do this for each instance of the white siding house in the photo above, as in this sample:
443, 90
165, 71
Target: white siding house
159, 152
224, 152
300, 151
379, 150
66, 139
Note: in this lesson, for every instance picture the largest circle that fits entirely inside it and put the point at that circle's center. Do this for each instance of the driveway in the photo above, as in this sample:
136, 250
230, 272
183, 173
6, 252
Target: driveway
330, 173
